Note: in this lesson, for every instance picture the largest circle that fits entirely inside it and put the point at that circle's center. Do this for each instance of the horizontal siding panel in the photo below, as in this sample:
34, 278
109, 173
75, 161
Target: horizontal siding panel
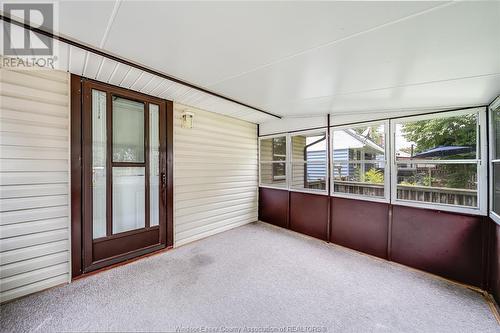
211, 121
26, 228
219, 132
30, 140
32, 202
217, 127
210, 157
56, 76
33, 117
18, 127
206, 130
24, 279
229, 218
193, 199
199, 164
14, 243
196, 134
33, 264
23, 178
23, 191
229, 172
215, 175
12, 165
31, 252
23, 105
34, 180
223, 148
33, 153
183, 221
209, 210
33, 214
207, 188
235, 180
26, 79
34, 287
9, 89
208, 230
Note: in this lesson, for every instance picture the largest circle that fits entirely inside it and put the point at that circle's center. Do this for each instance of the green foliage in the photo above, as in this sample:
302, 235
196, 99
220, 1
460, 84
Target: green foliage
279, 146
450, 131
374, 176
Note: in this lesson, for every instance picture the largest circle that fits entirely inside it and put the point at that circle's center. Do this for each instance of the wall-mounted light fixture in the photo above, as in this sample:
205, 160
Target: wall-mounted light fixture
187, 119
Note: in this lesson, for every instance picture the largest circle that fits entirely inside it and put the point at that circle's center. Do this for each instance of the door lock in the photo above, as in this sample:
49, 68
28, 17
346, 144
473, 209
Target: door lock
163, 179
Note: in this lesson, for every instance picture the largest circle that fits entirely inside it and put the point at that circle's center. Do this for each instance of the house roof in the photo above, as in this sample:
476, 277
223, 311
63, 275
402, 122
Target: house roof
348, 138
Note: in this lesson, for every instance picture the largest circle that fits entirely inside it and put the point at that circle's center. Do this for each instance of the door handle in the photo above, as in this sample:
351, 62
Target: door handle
163, 189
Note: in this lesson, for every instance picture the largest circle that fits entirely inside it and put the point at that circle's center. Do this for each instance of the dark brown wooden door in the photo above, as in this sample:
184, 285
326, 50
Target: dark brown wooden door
124, 144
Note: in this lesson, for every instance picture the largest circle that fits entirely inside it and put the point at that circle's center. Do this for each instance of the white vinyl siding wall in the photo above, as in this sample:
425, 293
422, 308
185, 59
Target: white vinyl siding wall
215, 175
34, 181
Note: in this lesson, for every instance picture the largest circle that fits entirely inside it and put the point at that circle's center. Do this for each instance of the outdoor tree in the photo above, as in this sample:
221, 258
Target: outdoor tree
446, 132
450, 131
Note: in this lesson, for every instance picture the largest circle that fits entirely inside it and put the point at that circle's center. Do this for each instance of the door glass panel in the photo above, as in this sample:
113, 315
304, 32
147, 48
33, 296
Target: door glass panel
98, 163
154, 164
128, 130
128, 198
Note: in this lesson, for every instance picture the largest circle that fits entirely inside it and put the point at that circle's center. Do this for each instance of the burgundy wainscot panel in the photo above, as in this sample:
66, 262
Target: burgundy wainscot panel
273, 206
446, 244
309, 214
360, 225
495, 262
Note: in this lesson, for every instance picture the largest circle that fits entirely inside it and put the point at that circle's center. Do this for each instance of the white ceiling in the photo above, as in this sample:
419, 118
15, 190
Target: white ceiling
307, 58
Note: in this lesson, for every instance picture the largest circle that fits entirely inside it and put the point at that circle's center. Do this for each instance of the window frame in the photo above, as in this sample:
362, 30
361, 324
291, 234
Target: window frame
492, 160
291, 161
386, 197
287, 139
480, 161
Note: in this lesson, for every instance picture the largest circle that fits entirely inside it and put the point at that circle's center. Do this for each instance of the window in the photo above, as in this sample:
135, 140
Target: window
359, 161
273, 161
437, 160
309, 161
495, 160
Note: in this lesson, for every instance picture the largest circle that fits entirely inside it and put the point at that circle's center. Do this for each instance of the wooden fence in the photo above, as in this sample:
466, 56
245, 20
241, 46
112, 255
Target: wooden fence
440, 195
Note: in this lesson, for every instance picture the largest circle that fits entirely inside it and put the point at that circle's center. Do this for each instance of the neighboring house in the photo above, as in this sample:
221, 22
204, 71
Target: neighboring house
349, 146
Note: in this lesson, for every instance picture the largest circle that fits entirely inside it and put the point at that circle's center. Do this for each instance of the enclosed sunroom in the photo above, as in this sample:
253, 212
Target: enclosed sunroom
250, 166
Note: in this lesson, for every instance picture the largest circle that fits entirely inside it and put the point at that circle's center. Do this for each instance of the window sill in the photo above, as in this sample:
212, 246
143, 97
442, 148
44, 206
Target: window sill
495, 217
274, 187
440, 207
359, 197
319, 192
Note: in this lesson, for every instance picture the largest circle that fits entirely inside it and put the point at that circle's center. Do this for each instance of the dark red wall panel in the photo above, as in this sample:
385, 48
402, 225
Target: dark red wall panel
273, 206
446, 244
360, 225
495, 262
309, 214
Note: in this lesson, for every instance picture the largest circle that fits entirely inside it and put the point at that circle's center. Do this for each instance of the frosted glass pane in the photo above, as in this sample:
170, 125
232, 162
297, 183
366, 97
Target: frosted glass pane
128, 130
128, 198
99, 163
154, 164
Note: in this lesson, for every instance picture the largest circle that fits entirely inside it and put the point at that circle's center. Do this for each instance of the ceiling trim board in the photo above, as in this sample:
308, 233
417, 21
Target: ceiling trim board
333, 125
407, 116
102, 53
116, 6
